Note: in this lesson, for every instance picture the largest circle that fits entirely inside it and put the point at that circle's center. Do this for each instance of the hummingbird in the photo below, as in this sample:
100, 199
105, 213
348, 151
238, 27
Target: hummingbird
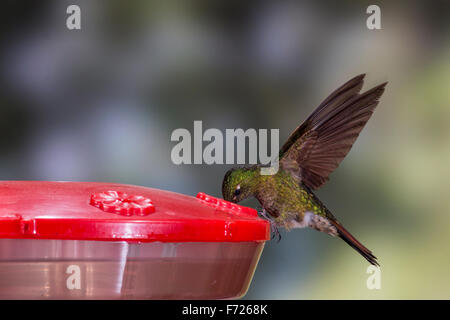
312, 151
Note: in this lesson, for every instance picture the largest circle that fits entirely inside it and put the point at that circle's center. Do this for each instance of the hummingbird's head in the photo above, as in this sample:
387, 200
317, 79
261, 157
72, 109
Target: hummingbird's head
239, 184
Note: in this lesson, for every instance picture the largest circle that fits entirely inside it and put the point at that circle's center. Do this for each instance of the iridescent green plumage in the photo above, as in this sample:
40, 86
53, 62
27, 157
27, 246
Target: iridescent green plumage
281, 195
310, 154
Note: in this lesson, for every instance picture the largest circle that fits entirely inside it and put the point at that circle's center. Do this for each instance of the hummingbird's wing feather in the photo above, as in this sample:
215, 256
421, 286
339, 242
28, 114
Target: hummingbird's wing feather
318, 145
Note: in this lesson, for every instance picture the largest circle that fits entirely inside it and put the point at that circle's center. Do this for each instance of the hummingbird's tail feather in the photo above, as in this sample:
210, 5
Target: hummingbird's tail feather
355, 244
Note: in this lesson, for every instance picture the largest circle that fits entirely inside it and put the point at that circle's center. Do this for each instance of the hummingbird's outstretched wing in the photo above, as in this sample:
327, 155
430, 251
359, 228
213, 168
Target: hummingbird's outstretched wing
320, 143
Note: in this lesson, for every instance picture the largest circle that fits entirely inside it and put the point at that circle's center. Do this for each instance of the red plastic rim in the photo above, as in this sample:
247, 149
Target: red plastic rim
112, 212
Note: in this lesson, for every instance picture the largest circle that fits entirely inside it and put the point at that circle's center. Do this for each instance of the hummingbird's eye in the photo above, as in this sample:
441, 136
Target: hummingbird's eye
237, 192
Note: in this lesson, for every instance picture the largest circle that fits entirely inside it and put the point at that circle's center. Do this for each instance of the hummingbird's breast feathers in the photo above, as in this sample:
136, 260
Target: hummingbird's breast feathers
316, 222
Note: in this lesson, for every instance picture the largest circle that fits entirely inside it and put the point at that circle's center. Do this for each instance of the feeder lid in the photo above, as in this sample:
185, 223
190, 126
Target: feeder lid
113, 212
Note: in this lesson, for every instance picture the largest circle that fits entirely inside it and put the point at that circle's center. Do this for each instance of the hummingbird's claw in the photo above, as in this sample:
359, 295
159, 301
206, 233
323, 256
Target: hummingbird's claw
273, 227
275, 232
264, 214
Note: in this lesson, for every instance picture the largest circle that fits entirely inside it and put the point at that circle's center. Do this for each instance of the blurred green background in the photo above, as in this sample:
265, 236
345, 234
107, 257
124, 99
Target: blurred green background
100, 104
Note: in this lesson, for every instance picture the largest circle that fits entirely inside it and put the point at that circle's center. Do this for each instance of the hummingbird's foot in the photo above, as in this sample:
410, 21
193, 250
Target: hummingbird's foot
275, 232
264, 214
273, 226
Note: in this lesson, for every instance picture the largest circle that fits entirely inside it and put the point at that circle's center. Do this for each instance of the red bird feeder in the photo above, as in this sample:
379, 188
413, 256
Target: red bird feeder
73, 240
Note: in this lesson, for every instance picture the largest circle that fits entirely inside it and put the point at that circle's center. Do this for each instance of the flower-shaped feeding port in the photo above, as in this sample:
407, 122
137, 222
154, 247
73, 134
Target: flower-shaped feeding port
227, 206
122, 203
